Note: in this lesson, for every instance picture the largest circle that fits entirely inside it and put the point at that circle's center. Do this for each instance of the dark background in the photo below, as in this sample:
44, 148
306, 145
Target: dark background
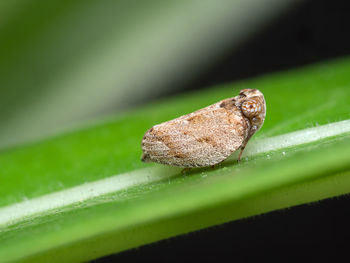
313, 31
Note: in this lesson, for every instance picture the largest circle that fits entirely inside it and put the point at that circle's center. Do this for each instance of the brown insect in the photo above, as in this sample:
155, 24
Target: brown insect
208, 136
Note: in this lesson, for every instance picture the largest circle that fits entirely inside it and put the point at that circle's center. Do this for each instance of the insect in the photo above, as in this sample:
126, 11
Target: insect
207, 136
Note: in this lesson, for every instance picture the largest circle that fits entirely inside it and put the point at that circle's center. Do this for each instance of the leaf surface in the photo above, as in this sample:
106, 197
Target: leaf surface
86, 194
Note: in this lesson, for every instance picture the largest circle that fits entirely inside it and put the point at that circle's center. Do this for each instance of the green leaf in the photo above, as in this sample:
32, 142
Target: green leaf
86, 194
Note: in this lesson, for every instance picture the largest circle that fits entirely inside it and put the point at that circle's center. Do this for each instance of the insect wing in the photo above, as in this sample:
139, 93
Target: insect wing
203, 138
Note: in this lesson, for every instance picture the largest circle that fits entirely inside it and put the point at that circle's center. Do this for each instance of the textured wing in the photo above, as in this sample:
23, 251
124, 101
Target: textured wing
202, 138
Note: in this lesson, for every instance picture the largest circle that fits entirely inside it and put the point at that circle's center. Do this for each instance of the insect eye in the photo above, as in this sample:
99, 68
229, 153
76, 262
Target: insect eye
251, 108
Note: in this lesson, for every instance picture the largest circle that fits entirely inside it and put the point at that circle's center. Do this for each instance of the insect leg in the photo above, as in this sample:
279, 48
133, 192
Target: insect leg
244, 144
240, 154
186, 170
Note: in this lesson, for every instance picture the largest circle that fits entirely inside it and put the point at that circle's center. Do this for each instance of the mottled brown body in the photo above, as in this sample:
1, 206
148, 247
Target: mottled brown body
207, 136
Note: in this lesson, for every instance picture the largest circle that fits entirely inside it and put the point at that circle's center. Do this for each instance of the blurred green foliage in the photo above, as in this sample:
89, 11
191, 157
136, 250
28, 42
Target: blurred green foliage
66, 62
